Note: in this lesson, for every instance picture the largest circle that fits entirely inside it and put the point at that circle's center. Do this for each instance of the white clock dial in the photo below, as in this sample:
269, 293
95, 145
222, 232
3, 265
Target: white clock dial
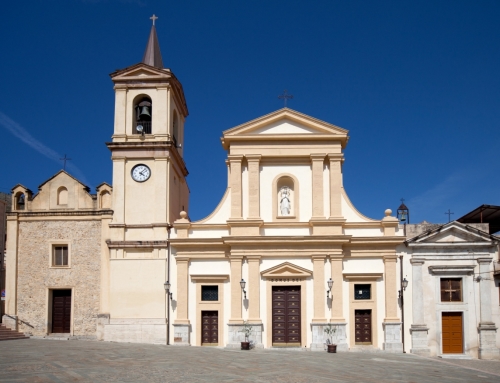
141, 173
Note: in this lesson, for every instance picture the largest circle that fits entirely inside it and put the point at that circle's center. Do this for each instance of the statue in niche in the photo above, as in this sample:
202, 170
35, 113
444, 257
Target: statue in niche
285, 204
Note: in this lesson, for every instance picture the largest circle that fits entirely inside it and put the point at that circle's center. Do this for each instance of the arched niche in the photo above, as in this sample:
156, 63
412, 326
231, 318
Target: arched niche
285, 198
105, 200
143, 115
62, 196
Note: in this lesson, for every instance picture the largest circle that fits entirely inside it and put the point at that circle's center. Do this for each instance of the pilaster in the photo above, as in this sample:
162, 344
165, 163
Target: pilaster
254, 289
391, 299
418, 329
236, 298
335, 184
11, 269
337, 300
253, 186
319, 288
236, 195
182, 290
317, 161
486, 329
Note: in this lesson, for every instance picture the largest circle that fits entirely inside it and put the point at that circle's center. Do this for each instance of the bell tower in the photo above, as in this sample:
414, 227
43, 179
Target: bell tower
149, 185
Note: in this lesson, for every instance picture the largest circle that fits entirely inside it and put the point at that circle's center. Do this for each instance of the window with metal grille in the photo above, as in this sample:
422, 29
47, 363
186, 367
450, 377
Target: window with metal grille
209, 293
451, 289
362, 292
60, 256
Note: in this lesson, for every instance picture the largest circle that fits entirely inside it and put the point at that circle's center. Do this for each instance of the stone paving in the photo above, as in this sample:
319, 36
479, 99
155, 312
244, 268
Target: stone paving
86, 361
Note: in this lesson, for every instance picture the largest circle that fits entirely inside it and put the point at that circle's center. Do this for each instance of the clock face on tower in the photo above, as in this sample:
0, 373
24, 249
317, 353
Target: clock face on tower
140, 173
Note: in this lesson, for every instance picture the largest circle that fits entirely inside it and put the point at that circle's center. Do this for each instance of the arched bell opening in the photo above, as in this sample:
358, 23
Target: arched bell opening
143, 111
20, 201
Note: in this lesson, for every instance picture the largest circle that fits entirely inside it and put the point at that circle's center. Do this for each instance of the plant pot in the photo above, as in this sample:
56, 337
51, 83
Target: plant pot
245, 345
332, 348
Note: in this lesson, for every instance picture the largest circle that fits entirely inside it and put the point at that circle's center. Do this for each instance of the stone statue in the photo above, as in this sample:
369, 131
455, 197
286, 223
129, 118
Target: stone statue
285, 204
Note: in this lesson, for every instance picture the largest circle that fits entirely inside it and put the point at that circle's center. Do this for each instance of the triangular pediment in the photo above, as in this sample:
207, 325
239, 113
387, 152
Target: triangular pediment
286, 270
139, 71
452, 233
65, 175
285, 122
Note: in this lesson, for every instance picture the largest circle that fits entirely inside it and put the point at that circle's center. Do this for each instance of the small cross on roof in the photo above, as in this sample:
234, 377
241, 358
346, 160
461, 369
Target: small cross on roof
154, 18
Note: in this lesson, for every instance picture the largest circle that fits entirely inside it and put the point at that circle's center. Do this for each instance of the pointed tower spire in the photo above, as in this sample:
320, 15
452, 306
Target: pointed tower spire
152, 55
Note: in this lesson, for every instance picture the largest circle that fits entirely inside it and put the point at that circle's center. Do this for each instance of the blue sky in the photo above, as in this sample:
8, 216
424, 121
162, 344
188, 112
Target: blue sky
417, 85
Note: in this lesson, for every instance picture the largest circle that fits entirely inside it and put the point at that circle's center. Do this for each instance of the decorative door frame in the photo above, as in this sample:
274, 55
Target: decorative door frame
209, 280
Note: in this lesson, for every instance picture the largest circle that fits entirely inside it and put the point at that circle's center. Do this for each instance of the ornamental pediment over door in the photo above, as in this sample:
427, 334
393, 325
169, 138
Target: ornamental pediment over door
286, 270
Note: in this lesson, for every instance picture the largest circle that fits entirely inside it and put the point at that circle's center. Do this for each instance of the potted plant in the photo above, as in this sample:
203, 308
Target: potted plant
247, 330
330, 331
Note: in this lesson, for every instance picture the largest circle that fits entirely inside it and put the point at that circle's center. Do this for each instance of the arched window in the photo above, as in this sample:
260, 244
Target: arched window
286, 197
175, 128
105, 200
62, 196
143, 111
20, 201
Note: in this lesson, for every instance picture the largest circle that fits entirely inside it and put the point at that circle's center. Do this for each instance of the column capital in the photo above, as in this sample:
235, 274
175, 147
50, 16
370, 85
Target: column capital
182, 260
318, 156
235, 157
334, 157
318, 257
234, 258
417, 262
390, 257
484, 261
253, 157
253, 258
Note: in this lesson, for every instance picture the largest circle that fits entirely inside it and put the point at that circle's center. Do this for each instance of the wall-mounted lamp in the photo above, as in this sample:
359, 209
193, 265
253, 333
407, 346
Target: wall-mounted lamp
404, 285
167, 289
242, 284
330, 285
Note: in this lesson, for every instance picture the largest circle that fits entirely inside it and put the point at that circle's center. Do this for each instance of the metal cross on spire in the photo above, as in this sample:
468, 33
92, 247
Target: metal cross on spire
154, 18
65, 158
285, 96
449, 214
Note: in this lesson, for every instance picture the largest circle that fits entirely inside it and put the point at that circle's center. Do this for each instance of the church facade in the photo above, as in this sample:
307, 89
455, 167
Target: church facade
285, 251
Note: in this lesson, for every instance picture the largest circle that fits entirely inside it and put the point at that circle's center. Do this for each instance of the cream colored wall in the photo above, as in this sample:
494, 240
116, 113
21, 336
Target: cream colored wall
364, 232
304, 176
269, 231
363, 265
46, 198
136, 288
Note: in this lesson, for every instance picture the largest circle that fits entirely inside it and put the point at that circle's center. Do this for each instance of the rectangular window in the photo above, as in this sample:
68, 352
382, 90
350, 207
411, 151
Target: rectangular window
362, 292
209, 293
451, 289
60, 255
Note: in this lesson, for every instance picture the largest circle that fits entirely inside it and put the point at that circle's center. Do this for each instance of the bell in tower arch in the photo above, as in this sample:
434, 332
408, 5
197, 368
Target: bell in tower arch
143, 111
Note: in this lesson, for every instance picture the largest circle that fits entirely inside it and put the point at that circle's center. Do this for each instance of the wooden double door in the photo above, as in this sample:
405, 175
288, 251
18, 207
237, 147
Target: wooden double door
286, 316
363, 326
210, 328
452, 330
61, 311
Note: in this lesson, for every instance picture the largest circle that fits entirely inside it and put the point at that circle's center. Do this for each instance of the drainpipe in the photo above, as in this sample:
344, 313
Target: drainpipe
168, 279
402, 301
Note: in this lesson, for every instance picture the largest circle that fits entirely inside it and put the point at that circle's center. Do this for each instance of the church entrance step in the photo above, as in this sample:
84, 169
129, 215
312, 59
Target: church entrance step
8, 334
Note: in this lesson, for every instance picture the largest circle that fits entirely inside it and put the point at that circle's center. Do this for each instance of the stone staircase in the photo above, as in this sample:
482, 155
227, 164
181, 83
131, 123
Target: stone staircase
8, 334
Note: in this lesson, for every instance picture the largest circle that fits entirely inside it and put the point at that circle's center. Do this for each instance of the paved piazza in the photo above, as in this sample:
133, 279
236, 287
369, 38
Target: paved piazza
82, 361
